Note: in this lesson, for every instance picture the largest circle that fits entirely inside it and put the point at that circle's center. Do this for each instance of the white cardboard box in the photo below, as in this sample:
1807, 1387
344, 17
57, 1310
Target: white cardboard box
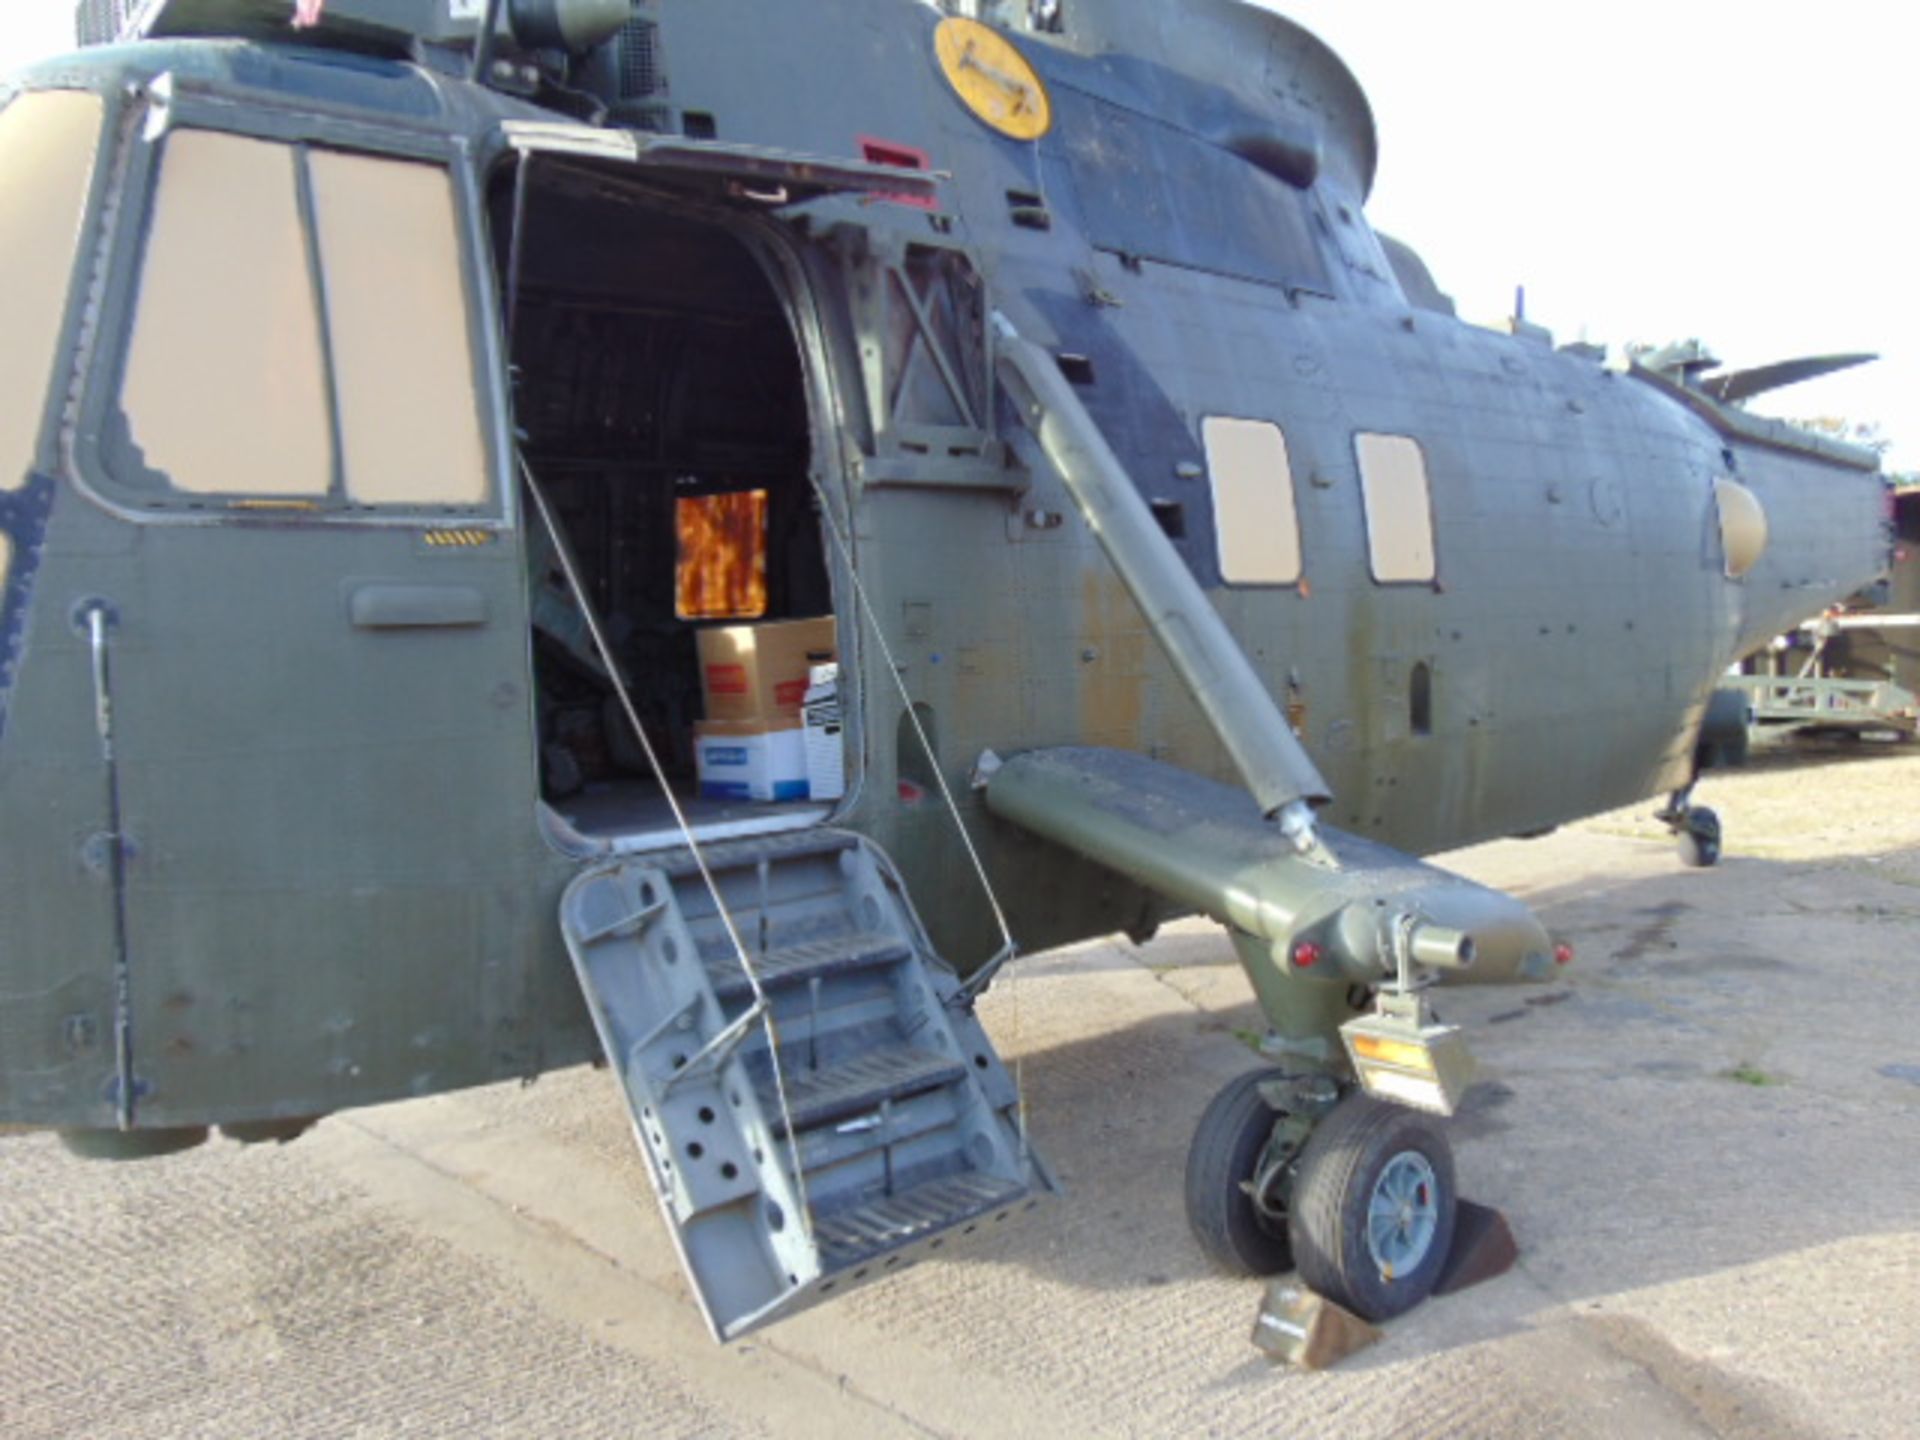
826, 753
742, 760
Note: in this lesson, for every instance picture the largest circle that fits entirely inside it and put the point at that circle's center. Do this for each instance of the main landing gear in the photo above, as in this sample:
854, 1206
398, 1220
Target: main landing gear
1295, 1171
1695, 828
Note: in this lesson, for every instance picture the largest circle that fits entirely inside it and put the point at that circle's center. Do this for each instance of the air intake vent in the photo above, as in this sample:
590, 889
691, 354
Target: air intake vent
640, 74
99, 22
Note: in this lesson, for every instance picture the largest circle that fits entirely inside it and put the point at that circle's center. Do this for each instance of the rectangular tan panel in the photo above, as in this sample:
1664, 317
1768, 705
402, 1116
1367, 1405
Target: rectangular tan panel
6, 561
397, 315
1393, 480
224, 392
1255, 524
48, 144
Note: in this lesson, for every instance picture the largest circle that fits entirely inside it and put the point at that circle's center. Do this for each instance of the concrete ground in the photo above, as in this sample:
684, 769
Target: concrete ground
1707, 1139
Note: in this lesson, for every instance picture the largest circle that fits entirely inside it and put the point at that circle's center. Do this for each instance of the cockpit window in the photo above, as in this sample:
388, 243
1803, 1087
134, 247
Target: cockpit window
49, 141
225, 393
397, 318
301, 334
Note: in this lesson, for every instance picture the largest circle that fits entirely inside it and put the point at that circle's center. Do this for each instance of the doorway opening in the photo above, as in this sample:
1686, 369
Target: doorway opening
663, 410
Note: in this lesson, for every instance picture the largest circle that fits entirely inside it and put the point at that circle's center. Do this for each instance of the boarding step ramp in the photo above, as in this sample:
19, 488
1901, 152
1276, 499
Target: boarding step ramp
904, 1122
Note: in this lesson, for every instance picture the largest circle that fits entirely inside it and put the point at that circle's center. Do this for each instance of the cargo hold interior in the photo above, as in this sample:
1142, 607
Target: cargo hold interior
661, 406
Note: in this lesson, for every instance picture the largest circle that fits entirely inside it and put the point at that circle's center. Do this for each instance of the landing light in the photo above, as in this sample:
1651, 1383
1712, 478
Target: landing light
1404, 1054
1400, 1058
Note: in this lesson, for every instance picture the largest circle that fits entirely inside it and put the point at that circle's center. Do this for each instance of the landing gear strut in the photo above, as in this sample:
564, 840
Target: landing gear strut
1696, 829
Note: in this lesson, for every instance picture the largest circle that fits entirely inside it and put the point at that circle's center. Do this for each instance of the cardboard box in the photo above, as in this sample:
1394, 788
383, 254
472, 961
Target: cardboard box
759, 672
820, 724
744, 760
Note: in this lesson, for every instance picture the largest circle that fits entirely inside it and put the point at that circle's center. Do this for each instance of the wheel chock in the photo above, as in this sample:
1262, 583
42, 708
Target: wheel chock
1306, 1330
1483, 1247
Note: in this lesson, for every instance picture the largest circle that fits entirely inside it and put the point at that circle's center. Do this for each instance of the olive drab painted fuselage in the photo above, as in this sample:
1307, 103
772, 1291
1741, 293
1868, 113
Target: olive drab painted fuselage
276, 834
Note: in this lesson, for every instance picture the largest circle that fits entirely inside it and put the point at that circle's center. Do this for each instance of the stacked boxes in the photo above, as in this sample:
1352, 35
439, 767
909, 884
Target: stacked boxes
754, 680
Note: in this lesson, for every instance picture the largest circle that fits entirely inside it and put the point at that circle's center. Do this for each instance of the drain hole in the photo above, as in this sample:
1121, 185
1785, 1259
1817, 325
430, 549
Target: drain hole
696, 1150
706, 1115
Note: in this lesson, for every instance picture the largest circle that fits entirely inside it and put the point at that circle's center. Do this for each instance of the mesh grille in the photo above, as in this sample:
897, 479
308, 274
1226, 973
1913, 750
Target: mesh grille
640, 59
99, 22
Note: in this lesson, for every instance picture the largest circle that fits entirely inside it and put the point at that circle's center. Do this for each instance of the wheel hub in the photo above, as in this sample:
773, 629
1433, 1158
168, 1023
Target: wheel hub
1402, 1214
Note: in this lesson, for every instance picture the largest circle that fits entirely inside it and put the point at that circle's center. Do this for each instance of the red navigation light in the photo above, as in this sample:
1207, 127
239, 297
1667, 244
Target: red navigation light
1306, 955
1563, 954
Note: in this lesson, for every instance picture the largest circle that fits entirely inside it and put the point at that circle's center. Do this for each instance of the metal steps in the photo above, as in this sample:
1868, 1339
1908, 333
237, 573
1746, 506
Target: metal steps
868, 1232
795, 964
819, 1097
898, 1132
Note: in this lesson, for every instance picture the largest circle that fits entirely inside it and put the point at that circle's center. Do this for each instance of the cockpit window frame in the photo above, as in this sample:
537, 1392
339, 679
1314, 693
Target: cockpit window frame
169, 112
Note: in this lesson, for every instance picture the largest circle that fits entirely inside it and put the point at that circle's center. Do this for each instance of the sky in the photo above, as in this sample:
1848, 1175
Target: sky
1736, 172
1649, 170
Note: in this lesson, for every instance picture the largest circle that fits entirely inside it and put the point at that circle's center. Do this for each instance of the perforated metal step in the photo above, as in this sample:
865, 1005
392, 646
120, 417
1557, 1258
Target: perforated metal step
796, 964
867, 1232
820, 1097
898, 1131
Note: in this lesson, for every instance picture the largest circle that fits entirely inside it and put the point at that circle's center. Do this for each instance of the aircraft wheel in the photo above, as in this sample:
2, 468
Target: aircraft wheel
1699, 837
1238, 1236
1373, 1207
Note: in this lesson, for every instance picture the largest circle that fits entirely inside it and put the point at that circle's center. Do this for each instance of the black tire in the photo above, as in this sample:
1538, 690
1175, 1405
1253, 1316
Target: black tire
1342, 1163
1699, 838
1233, 1130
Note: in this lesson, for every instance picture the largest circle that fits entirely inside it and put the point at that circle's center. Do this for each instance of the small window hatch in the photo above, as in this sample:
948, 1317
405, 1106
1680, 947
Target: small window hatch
1255, 525
1399, 508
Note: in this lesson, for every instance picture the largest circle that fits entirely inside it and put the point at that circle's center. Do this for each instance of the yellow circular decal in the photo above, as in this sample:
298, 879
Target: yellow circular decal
992, 78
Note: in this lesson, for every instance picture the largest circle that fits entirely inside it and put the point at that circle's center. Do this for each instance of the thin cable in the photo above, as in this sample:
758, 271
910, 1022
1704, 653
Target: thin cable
760, 1003
1009, 950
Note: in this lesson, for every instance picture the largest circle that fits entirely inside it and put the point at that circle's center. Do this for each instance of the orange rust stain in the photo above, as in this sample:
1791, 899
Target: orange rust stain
722, 571
1113, 684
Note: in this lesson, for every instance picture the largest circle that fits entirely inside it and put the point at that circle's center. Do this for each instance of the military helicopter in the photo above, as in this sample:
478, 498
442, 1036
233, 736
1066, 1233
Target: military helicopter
457, 454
